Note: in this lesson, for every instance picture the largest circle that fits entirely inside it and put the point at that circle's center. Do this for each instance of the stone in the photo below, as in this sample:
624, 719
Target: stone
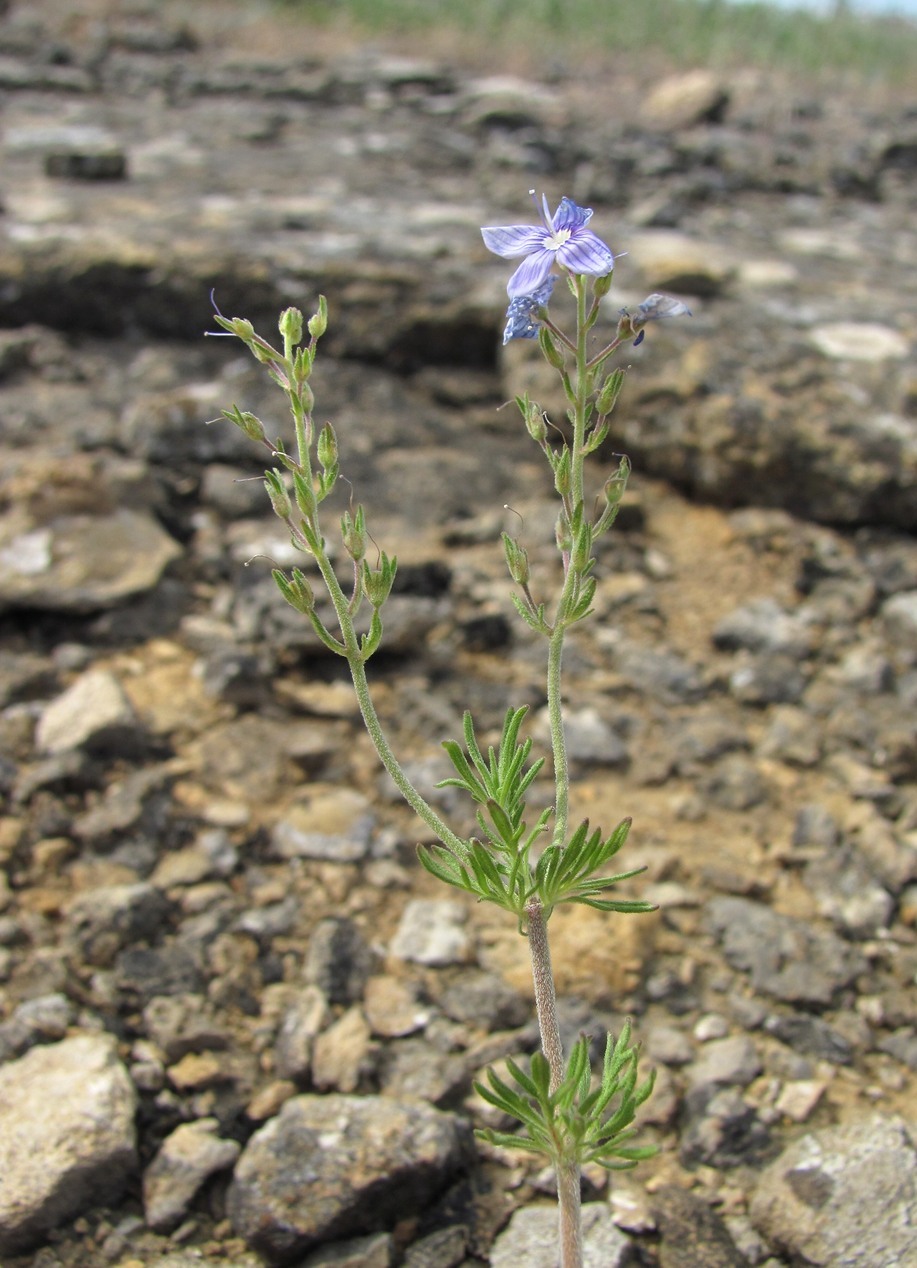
338, 1166
335, 825
342, 1054
374, 1251
431, 932
303, 1021
93, 711
819, 1200
109, 917
721, 1129
486, 1000
683, 101
763, 626
785, 957
730, 1061
82, 563
531, 1236
186, 1159
339, 960
393, 1008
692, 1234
67, 1136
859, 341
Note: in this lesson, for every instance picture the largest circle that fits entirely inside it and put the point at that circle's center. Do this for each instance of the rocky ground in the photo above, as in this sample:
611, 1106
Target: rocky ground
238, 1022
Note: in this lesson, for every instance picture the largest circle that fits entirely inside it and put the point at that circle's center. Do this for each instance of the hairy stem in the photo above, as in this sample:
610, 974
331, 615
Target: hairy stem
568, 1170
371, 719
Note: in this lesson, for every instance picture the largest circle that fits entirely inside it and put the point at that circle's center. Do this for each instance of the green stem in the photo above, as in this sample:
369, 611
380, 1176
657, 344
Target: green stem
571, 581
558, 736
371, 719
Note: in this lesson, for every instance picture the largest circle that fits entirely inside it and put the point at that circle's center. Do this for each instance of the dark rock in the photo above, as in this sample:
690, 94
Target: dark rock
810, 1035
339, 961
692, 1234
333, 1166
722, 1129
485, 1000
787, 958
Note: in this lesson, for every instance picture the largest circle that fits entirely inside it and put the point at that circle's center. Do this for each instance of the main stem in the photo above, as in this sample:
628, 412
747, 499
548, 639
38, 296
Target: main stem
568, 1170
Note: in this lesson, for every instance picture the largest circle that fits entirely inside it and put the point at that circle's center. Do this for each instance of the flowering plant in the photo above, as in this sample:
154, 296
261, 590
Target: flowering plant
566, 1112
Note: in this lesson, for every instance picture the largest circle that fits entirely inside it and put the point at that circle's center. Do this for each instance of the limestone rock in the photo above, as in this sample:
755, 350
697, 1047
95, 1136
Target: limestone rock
187, 1157
93, 710
66, 1135
82, 563
820, 1201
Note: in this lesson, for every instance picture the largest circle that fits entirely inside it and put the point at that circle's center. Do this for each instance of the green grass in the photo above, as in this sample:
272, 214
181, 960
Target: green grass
684, 33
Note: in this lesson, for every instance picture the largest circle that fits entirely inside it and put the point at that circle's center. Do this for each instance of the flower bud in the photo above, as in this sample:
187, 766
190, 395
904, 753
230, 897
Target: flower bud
276, 491
610, 391
617, 483
291, 325
327, 447
295, 589
353, 533
602, 285
377, 583
549, 349
517, 560
318, 322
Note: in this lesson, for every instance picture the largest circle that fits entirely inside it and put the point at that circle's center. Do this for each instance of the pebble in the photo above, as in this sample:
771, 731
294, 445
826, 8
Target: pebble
93, 711
67, 1136
732, 1061
332, 1165
336, 825
186, 1158
83, 564
788, 958
338, 960
819, 1199
432, 932
859, 341
342, 1054
392, 1007
693, 1234
530, 1238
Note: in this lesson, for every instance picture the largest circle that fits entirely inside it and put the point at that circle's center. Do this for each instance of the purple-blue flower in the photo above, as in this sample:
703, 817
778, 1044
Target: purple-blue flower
561, 239
522, 315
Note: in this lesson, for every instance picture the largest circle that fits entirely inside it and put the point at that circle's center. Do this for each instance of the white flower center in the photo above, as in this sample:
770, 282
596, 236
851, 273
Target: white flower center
556, 239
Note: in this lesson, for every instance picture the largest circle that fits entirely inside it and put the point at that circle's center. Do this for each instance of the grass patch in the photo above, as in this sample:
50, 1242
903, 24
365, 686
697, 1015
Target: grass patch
685, 33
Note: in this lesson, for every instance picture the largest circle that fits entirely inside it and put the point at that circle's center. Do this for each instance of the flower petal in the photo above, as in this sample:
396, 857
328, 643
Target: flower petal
509, 241
531, 273
570, 216
586, 253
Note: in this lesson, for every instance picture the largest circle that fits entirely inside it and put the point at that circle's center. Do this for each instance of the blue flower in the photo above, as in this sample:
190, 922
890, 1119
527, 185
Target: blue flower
561, 239
522, 315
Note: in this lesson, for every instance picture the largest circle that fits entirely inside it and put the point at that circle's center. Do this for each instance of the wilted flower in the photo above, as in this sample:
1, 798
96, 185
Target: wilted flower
522, 315
653, 308
562, 239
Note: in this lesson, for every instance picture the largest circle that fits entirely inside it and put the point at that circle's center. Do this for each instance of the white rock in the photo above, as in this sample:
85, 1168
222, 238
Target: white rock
66, 1135
91, 706
859, 341
531, 1238
431, 932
